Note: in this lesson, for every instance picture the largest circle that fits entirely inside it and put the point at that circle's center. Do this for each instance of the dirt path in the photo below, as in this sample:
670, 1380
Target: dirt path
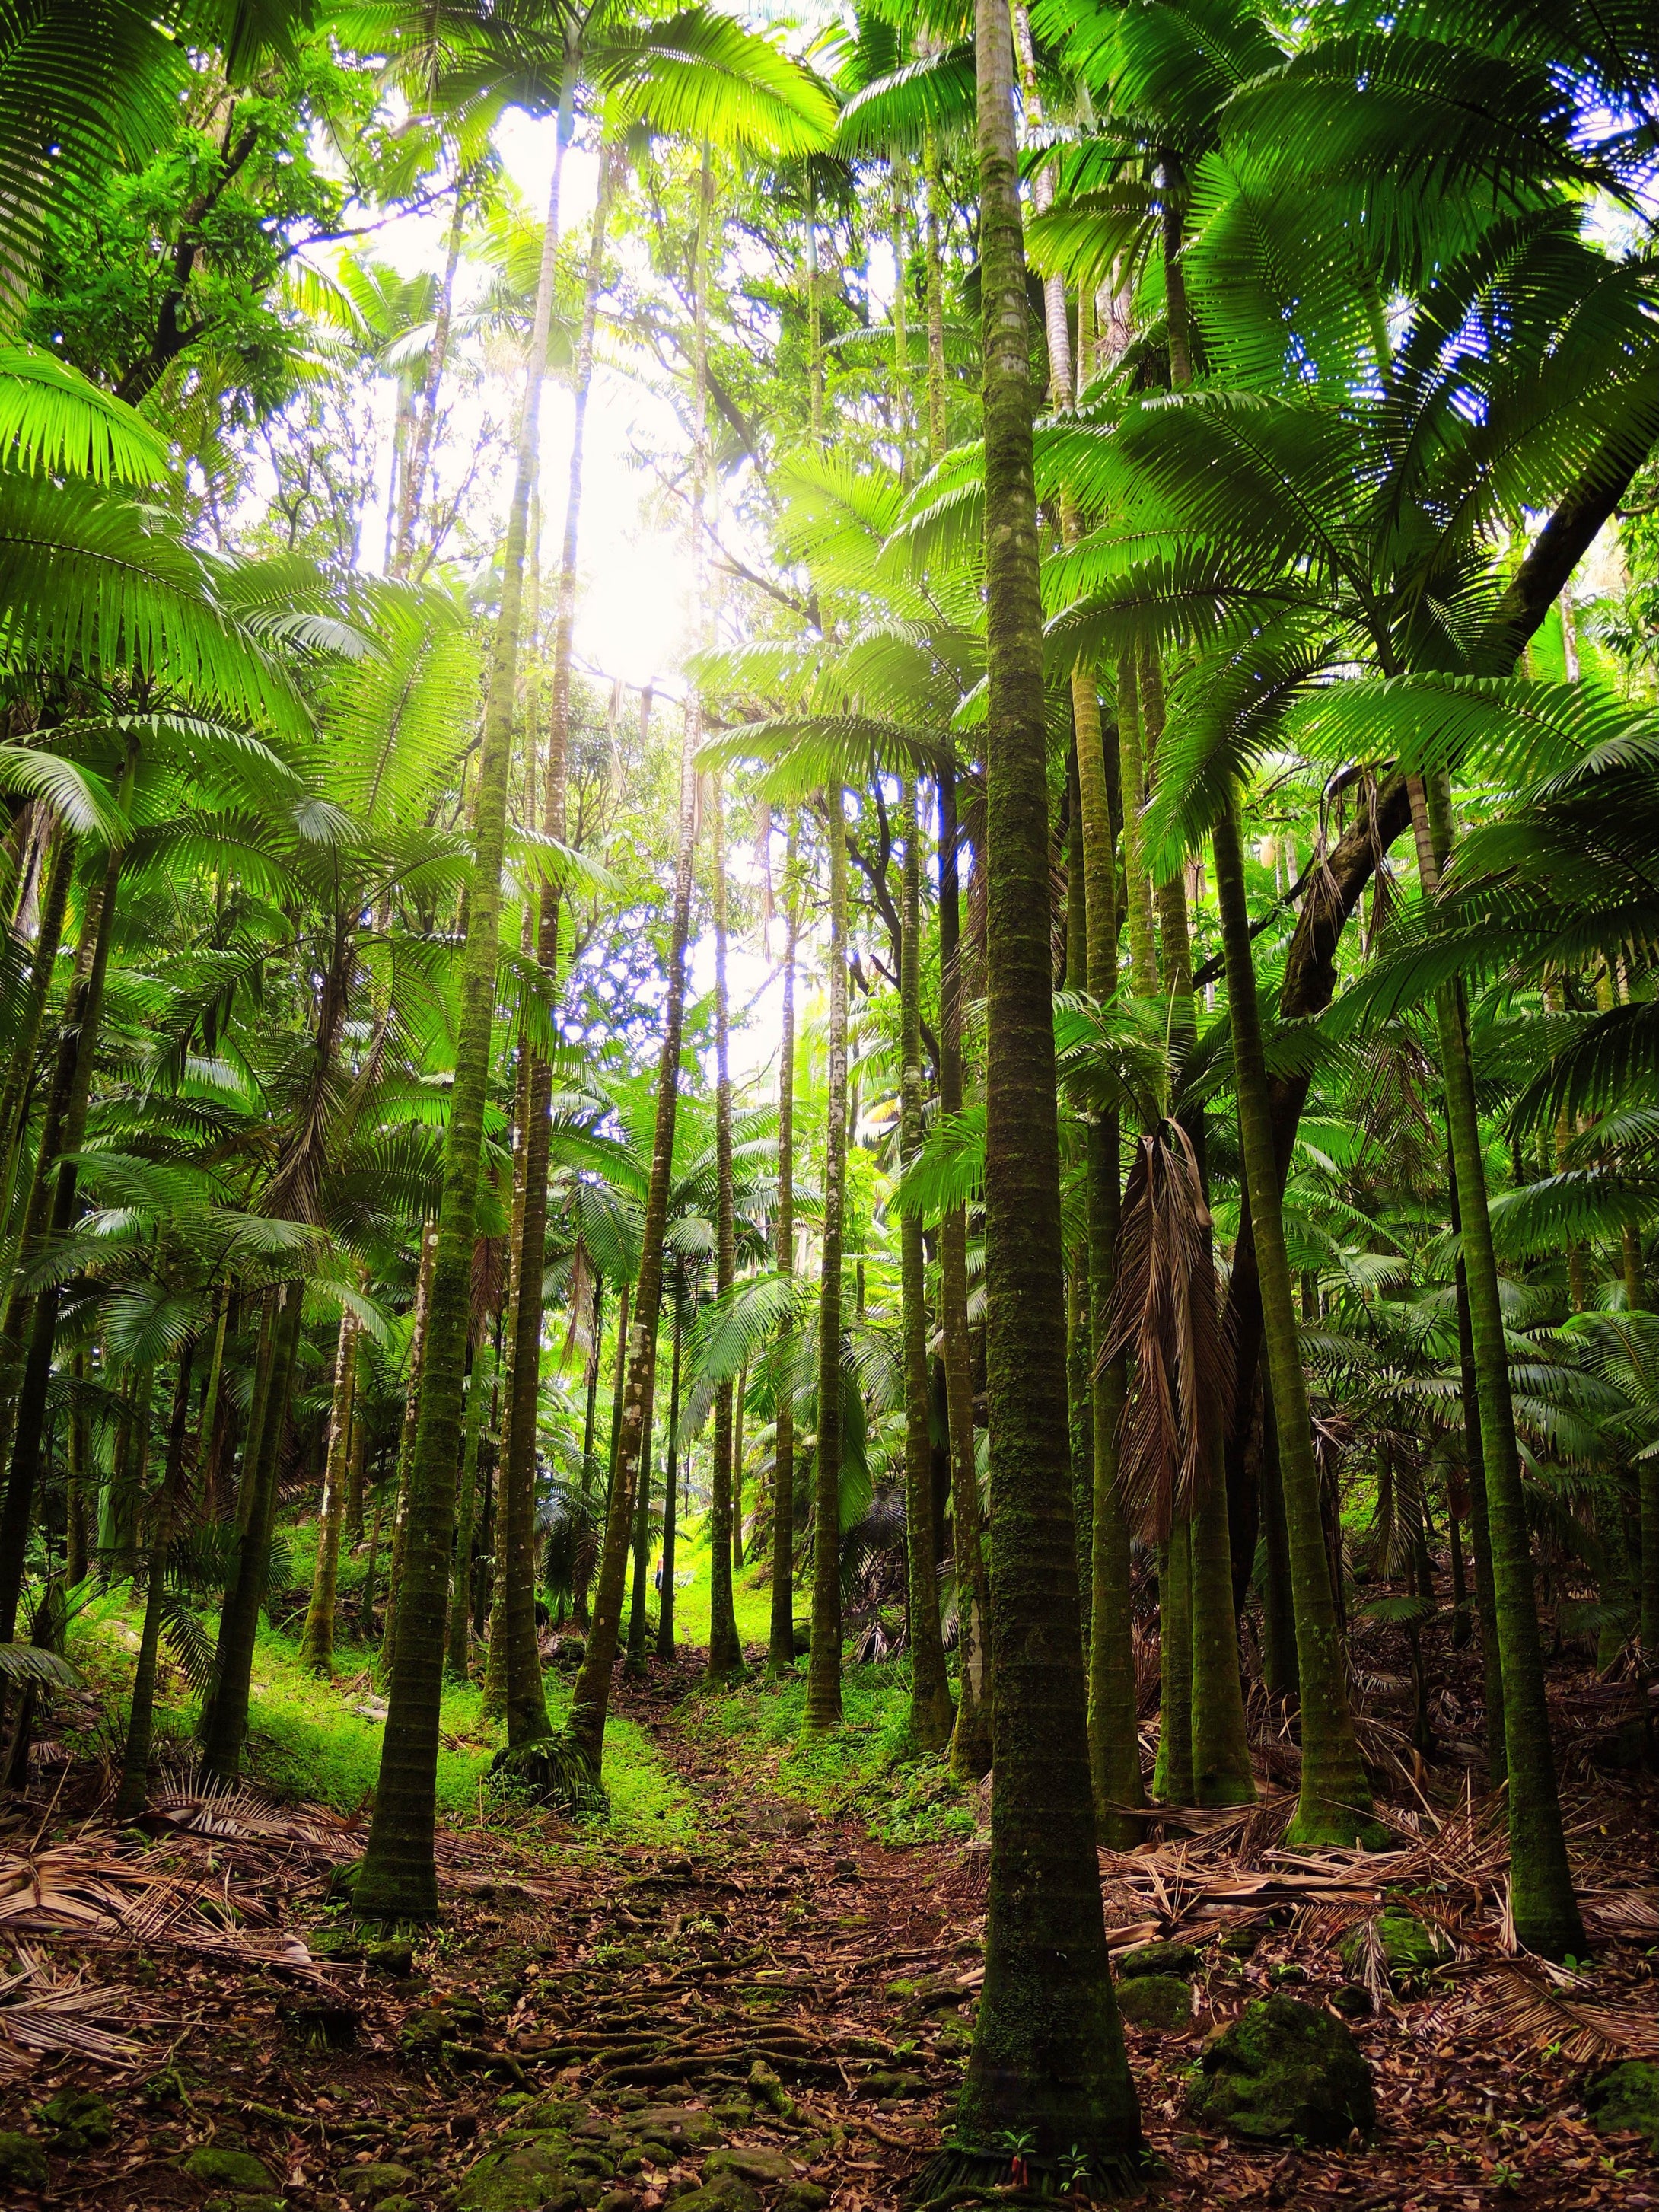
771, 2021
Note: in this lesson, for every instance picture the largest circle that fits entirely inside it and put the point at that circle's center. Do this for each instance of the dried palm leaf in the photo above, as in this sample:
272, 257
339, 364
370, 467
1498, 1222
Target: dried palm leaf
1514, 2001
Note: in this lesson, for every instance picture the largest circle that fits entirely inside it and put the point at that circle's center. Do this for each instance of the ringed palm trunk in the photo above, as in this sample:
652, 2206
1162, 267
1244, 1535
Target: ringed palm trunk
725, 1651
1545, 1910
1113, 1735
317, 1637
635, 1664
398, 1877
971, 1743
591, 1696
1334, 1804
405, 1466
931, 1714
824, 1706
589, 1422
1048, 2060
780, 1646
135, 1765
1172, 1772
1485, 1605
239, 1620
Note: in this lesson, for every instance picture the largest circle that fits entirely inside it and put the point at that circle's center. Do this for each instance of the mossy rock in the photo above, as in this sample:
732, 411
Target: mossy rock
79, 2119
1158, 1959
216, 2166
530, 2175
1162, 2002
343, 1946
390, 1954
1625, 2100
22, 2161
384, 2178
1282, 2069
1411, 1949
677, 2125
257, 2200
1239, 1942
727, 2192
1353, 2000
754, 2162
801, 2197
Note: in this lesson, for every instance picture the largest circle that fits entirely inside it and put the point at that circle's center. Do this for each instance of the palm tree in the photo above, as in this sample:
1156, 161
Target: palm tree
1048, 2060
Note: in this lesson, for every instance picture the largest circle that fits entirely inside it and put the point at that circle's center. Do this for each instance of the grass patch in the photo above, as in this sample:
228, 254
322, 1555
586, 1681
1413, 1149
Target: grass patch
306, 1743
751, 1591
867, 1766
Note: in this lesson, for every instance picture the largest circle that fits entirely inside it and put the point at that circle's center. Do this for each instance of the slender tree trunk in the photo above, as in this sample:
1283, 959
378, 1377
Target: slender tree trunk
1172, 1772
1048, 2064
635, 1664
971, 1743
317, 1637
419, 1323
135, 1765
823, 1706
418, 452
590, 1464
1278, 1662
1334, 1805
781, 1647
1221, 1743
725, 1651
931, 1713
670, 1470
79, 1465
398, 1877
1138, 882
592, 1694
738, 1396
238, 1619
480, 1375
1546, 1911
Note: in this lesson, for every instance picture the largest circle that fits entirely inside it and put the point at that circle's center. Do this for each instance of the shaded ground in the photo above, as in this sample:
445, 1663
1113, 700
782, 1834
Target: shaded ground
779, 2011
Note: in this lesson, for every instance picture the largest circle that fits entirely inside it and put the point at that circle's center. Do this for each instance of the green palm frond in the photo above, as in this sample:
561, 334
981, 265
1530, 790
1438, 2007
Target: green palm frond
53, 421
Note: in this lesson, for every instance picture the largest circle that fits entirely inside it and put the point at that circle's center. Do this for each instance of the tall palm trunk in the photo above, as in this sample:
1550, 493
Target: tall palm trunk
419, 1322
399, 1877
824, 1706
238, 1617
589, 1465
1172, 1771
1047, 2062
931, 1714
1546, 1911
1486, 1604
591, 1696
725, 1651
1334, 1805
671, 1469
780, 1645
970, 1744
140, 1720
317, 1637
479, 1381
635, 1664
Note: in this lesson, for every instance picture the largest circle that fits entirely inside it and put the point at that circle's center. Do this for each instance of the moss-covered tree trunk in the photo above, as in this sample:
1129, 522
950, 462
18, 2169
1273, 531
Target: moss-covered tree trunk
419, 1318
1545, 1910
1278, 1664
1335, 1802
398, 1877
480, 1374
590, 1458
725, 1651
1172, 1770
1048, 2067
823, 1707
135, 1765
26, 1037
931, 1713
317, 1637
780, 1641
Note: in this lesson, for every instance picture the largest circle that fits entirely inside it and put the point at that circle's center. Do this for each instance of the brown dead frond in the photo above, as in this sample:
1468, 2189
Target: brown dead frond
1165, 1314
44, 2013
1512, 2000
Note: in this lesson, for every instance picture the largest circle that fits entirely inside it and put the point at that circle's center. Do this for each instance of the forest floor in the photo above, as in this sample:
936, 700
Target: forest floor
771, 2005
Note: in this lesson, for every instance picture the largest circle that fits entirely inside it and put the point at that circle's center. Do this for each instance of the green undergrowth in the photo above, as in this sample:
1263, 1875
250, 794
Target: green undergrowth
868, 1766
752, 1593
309, 1743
